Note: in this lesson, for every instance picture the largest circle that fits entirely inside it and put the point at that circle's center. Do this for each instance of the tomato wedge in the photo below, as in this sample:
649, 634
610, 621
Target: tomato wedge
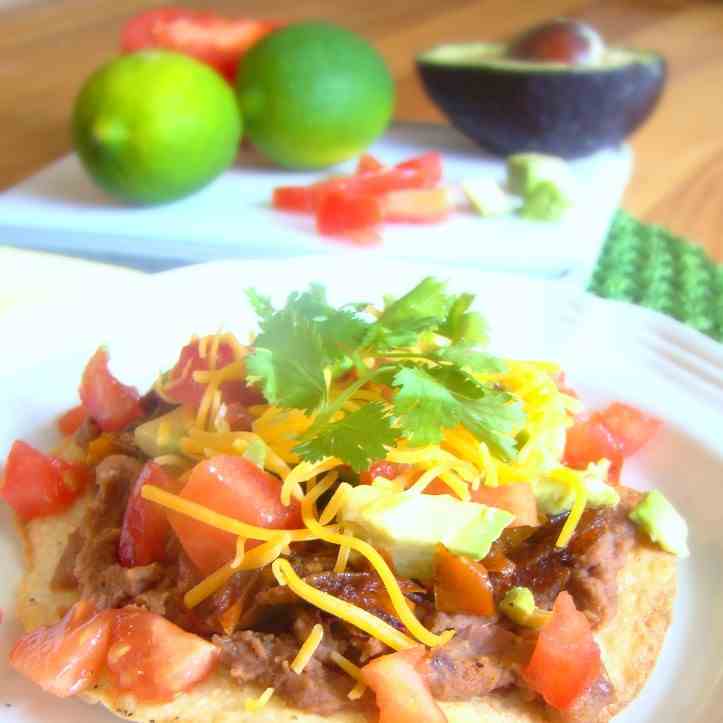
37, 485
70, 422
589, 440
155, 659
461, 585
631, 428
566, 659
425, 205
215, 40
111, 404
519, 499
236, 487
65, 658
341, 212
401, 692
145, 528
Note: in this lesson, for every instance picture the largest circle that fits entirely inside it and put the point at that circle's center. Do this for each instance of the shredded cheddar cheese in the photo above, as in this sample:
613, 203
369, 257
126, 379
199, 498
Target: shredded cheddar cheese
335, 503
427, 478
342, 558
301, 473
574, 480
307, 650
254, 704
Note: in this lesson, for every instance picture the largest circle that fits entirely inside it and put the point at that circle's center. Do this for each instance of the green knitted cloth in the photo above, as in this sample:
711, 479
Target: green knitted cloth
650, 266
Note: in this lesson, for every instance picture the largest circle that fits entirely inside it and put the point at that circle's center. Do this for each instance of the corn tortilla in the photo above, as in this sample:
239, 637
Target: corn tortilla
630, 644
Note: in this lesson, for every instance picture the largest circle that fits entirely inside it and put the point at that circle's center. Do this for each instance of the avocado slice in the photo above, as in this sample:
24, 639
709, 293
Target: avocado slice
510, 106
175, 424
409, 526
662, 523
554, 498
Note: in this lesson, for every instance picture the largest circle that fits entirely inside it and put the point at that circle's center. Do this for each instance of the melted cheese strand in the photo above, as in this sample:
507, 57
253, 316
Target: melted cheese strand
342, 558
301, 473
307, 650
335, 503
360, 618
219, 521
399, 602
574, 481
253, 704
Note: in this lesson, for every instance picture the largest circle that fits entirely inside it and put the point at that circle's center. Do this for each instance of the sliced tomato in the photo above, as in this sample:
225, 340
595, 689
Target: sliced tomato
519, 499
145, 528
427, 167
340, 212
461, 585
70, 422
37, 485
589, 440
566, 660
298, 199
382, 468
65, 658
401, 692
425, 205
368, 164
181, 387
155, 659
235, 487
111, 404
215, 40
631, 428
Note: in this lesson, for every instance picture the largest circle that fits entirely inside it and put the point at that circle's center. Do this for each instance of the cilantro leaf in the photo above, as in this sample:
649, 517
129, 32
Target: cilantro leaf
358, 439
462, 325
467, 357
260, 304
424, 406
493, 418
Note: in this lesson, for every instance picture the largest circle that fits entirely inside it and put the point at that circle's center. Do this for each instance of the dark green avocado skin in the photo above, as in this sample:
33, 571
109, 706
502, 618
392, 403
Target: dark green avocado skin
564, 113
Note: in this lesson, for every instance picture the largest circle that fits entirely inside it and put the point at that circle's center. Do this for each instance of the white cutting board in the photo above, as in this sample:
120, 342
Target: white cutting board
61, 210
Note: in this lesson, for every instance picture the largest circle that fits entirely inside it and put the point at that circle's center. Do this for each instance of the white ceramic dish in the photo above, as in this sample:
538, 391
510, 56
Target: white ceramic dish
61, 210
609, 350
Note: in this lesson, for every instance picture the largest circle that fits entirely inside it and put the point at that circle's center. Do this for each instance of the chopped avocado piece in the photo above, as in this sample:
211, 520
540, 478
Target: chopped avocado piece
662, 523
544, 182
163, 434
519, 606
554, 497
488, 197
256, 452
409, 526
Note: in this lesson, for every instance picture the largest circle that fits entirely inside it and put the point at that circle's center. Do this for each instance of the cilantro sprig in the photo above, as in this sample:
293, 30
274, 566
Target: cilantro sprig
425, 345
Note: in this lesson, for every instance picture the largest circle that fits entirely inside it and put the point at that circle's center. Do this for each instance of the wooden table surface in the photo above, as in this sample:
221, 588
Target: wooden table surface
49, 47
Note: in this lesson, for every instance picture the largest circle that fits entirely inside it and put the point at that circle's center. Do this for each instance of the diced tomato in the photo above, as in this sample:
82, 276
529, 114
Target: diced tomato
519, 499
382, 468
37, 485
401, 692
236, 487
145, 528
425, 205
631, 428
298, 199
566, 659
589, 440
181, 387
339, 213
368, 164
238, 417
65, 658
111, 404
155, 659
70, 422
428, 168
461, 585
215, 40
562, 385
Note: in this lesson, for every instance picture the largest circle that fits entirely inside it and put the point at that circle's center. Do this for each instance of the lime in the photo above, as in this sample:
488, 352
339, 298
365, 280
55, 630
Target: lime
313, 94
155, 126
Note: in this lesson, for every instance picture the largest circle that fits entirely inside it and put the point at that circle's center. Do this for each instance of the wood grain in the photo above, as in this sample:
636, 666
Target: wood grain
47, 49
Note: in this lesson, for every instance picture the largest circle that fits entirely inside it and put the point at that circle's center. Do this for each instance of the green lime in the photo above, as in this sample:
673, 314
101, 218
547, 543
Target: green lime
155, 126
313, 94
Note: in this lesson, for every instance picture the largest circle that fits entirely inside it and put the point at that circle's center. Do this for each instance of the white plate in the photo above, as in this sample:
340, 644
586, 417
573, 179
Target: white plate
610, 351
60, 209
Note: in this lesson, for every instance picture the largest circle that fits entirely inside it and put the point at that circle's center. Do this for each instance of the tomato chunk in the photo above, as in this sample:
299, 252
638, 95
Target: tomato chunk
65, 658
298, 199
236, 487
425, 205
70, 422
368, 164
215, 40
589, 440
631, 428
37, 485
340, 212
155, 659
401, 692
382, 468
145, 528
461, 585
111, 404
566, 659
428, 168
519, 499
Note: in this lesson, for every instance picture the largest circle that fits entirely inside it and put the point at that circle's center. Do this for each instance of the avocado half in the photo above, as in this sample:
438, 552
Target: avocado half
511, 106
